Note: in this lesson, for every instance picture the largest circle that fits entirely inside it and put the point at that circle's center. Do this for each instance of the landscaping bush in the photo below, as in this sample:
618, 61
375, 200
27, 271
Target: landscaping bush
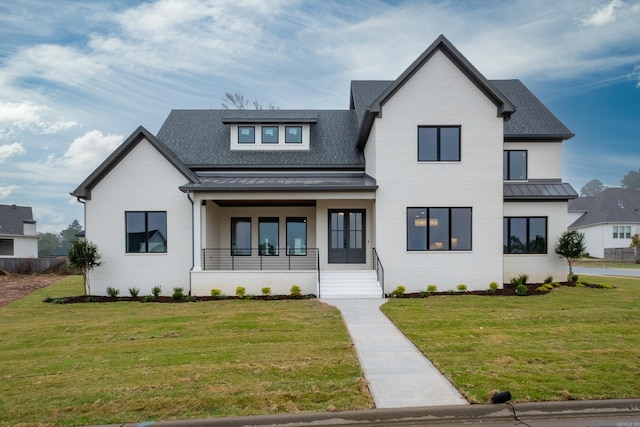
493, 286
156, 291
177, 294
432, 288
240, 291
398, 292
542, 289
521, 290
216, 293
112, 292
296, 291
266, 291
134, 292
148, 298
548, 279
462, 287
519, 280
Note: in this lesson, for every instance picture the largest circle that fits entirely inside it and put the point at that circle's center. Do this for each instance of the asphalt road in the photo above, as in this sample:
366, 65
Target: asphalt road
607, 272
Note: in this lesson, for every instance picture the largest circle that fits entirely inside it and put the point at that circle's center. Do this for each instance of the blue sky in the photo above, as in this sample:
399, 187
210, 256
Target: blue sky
77, 77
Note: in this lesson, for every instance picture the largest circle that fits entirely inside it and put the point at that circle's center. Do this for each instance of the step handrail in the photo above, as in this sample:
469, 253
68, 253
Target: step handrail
377, 265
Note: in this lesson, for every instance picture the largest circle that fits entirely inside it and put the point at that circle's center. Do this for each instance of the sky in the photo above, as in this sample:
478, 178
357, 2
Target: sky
78, 77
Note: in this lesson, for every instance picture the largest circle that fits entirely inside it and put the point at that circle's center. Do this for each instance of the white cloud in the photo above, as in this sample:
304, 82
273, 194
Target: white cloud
604, 15
6, 191
11, 150
89, 150
17, 117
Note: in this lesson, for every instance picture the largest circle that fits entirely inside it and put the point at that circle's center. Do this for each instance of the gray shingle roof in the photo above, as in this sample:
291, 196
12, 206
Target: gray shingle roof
538, 190
532, 119
613, 205
309, 182
200, 139
12, 219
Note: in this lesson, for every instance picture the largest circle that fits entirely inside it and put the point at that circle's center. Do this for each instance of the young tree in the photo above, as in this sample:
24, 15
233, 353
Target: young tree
84, 256
236, 100
592, 188
635, 244
571, 246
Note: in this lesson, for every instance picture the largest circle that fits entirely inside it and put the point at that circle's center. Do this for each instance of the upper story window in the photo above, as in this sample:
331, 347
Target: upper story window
514, 166
293, 135
438, 143
146, 232
246, 134
270, 136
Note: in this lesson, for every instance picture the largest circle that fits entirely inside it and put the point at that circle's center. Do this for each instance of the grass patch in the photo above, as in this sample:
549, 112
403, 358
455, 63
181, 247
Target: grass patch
81, 364
575, 343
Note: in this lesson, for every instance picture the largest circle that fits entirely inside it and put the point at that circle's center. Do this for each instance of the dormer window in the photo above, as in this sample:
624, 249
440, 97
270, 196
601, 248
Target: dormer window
246, 135
293, 135
269, 134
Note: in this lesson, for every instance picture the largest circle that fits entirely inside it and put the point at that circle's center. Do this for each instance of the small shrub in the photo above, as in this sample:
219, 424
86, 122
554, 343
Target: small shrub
548, 279
156, 291
89, 299
134, 292
240, 291
177, 294
542, 289
493, 286
548, 286
148, 298
216, 293
462, 287
579, 285
521, 290
248, 297
555, 284
296, 291
432, 288
606, 286
60, 300
190, 298
398, 292
112, 292
266, 291
574, 278
424, 294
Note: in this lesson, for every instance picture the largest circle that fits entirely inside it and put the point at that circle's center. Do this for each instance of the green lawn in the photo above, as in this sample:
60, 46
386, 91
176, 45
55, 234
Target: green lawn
79, 364
574, 343
601, 263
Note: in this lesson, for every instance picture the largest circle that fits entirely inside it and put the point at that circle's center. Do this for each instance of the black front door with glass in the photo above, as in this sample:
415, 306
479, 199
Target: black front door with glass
346, 236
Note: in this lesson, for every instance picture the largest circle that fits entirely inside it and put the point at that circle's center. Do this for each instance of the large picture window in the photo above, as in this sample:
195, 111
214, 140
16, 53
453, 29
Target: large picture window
146, 232
6, 247
296, 236
439, 229
241, 236
525, 235
438, 143
514, 166
268, 236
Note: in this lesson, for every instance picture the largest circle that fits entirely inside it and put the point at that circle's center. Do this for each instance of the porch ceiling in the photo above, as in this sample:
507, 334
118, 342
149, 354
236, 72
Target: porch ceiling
259, 203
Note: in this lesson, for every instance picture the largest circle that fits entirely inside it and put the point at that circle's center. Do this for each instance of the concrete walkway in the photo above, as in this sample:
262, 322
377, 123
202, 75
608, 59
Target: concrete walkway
398, 374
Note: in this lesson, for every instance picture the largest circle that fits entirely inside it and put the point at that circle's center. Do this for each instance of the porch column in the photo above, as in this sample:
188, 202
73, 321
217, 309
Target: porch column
197, 233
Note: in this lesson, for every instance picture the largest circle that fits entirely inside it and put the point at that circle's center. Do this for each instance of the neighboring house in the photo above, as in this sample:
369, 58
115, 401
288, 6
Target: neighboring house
18, 236
441, 176
608, 220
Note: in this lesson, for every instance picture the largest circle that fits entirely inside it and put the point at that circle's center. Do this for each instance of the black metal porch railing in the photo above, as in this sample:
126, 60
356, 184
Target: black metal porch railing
257, 260
377, 265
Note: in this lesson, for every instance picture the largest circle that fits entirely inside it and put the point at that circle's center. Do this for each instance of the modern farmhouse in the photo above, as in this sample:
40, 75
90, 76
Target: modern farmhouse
438, 177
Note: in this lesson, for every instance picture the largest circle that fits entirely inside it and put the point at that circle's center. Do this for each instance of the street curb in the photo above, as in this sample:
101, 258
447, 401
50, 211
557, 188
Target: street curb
423, 415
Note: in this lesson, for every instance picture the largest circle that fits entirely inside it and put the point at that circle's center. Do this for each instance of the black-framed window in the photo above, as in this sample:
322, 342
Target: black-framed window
525, 235
293, 134
6, 247
439, 143
241, 236
146, 231
296, 236
514, 165
246, 134
268, 236
439, 229
269, 134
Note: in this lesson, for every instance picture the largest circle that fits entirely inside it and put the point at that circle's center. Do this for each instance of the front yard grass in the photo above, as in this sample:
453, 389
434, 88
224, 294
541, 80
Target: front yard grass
81, 364
574, 343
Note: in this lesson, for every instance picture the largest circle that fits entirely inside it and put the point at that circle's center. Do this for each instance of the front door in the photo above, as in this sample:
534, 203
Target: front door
346, 236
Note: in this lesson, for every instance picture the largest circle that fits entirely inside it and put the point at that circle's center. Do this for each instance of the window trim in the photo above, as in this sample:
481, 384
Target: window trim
439, 143
507, 230
146, 232
507, 165
450, 247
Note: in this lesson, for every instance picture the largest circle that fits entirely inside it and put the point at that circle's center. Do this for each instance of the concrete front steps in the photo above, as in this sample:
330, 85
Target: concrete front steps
349, 284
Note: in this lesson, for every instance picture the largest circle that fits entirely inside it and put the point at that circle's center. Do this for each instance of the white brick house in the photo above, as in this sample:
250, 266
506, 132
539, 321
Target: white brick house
441, 176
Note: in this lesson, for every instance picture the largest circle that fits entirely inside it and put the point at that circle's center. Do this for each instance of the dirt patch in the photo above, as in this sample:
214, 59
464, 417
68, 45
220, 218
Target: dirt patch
15, 286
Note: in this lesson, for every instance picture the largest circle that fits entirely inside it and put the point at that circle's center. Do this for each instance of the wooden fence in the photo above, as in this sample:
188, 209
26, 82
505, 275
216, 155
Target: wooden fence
620, 254
34, 265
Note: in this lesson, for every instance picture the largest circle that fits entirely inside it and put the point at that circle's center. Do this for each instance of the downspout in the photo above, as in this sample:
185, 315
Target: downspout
192, 231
